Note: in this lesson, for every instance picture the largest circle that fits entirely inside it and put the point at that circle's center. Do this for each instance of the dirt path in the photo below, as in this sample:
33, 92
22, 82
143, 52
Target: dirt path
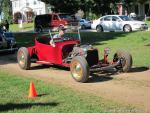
127, 88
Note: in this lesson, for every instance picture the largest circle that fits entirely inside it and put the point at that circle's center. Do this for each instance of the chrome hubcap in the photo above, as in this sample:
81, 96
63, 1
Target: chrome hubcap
76, 70
21, 58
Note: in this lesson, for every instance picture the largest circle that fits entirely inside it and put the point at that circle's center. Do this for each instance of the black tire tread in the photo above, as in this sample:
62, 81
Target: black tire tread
122, 53
100, 27
125, 26
27, 58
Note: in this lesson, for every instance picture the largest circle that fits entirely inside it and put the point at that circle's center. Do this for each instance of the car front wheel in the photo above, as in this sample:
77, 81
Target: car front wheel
99, 28
125, 60
23, 58
127, 28
79, 69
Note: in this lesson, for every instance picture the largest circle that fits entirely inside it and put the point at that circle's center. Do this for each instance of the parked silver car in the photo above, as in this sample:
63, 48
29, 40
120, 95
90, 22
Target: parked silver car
84, 23
118, 23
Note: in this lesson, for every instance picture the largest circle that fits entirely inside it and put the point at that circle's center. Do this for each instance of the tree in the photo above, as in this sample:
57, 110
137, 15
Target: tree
64, 6
128, 4
1, 2
141, 1
72, 6
98, 7
6, 9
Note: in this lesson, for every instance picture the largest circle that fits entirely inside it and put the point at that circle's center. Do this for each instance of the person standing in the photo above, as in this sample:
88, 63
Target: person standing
57, 36
7, 25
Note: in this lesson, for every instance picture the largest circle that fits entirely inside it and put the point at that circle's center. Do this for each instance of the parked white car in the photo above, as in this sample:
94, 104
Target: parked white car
84, 23
118, 23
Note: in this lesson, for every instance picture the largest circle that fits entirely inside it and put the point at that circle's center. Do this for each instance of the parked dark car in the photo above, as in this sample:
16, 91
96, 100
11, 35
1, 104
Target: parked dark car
85, 23
7, 42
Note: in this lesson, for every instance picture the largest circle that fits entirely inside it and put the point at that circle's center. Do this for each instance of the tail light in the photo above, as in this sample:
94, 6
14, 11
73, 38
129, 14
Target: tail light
66, 23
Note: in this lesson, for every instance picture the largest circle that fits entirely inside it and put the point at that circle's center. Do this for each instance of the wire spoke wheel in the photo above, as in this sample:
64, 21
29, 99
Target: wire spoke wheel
79, 69
125, 60
23, 58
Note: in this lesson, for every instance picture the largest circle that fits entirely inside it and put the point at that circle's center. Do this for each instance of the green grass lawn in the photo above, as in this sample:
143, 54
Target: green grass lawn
25, 27
52, 98
137, 43
148, 23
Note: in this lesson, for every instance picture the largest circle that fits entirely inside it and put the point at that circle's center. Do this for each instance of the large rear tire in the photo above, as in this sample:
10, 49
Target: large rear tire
23, 58
125, 60
79, 69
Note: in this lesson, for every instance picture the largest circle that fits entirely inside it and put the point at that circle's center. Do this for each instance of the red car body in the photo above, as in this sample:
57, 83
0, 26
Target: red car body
51, 55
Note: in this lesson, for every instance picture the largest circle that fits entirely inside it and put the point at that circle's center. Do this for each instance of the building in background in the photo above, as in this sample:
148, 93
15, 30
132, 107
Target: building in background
142, 9
25, 10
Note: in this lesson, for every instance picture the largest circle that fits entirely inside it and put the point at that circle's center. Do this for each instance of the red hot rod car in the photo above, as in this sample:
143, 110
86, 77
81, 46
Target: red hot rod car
68, 52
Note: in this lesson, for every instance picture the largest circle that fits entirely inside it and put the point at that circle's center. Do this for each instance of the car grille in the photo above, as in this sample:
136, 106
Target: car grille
92, 57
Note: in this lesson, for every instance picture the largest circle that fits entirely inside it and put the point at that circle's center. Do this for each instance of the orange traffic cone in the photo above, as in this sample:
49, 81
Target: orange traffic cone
32, 90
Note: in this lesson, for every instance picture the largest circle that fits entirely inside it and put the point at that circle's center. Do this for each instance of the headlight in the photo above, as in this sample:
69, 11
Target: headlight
107, 51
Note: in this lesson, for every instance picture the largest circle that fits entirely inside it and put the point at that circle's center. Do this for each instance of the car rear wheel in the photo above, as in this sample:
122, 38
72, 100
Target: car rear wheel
127, 28
79, 69
99, 28
125, 60
23, 58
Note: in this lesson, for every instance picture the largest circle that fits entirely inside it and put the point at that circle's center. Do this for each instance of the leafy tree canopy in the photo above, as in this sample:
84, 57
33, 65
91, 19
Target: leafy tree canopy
98, 7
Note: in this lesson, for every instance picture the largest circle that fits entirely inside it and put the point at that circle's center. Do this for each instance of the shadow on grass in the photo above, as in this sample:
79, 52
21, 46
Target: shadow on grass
27, 39
138, 69
41, 95
12, 106
147, 45
95, 38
